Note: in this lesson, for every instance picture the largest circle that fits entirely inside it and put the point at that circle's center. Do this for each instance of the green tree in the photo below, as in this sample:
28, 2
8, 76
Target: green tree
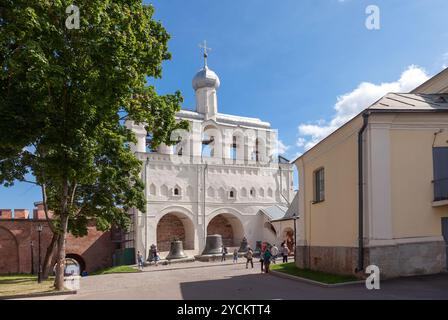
63, 96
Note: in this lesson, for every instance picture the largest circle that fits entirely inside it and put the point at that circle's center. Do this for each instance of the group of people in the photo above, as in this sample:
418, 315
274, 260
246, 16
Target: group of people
268, 255
153, 257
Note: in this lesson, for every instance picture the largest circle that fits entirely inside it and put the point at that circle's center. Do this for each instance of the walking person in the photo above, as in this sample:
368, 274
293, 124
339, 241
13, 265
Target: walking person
285, 252
139, 260
249, 258
274, 252
154, 254
262, 261
235, 256
267, 260
224, 253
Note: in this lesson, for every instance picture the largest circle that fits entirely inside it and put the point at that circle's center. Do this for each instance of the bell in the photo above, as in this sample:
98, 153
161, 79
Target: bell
243, 246
257, 250
176, 251
213, 244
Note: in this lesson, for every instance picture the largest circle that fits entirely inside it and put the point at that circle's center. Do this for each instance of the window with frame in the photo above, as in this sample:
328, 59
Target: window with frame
440, 167
319, 185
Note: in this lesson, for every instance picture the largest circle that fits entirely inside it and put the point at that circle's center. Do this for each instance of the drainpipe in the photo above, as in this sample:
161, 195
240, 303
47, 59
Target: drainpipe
146, 213
360, 267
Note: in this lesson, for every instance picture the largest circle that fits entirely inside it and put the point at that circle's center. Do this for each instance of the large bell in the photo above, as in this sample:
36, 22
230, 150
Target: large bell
243, 246
213, 244
257, 250
176, 251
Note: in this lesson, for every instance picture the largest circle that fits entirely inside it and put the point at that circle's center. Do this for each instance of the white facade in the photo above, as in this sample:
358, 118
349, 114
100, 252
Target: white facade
227, 167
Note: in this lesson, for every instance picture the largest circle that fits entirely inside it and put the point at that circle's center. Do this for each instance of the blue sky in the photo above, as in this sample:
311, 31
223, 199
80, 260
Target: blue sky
293, 62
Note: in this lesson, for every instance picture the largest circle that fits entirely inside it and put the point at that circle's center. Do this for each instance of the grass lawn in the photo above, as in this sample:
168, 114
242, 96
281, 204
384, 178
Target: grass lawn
18, 284
291, 269
117, 269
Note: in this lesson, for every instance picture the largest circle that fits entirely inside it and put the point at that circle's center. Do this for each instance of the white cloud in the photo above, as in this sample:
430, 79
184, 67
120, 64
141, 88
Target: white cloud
445, 60
281, 147
350, 104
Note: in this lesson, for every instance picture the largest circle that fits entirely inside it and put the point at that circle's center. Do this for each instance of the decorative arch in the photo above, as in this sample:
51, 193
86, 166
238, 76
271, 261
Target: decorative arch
10, 259
227, 222
177, 191
152, 189
261, 192
221, 193
79, 259
164, 190
253, 192
232, 193
175, 224
211, 192
270, 192
211, 140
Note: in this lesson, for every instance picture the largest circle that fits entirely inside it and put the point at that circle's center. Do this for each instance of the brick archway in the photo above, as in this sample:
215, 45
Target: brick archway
229, 227
9, 252
175, 225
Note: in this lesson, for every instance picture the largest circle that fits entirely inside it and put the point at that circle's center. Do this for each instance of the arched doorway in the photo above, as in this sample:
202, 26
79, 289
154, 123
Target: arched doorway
78, 259
175, 226
229, 227
9, 252
288, 237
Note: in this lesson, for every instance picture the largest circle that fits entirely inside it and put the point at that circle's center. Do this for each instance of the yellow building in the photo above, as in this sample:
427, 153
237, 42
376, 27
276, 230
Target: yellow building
375, 191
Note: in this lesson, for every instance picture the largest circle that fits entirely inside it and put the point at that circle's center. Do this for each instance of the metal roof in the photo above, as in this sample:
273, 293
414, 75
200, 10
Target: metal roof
411, 102
274, 212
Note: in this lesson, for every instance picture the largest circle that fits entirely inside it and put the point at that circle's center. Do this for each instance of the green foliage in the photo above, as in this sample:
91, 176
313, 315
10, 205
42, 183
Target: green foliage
62, 92
117, 269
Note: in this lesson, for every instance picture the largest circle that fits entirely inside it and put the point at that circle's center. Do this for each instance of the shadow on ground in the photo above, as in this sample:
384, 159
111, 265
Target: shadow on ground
268, 287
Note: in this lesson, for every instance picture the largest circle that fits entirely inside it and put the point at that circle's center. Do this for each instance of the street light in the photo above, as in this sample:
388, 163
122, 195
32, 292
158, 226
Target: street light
39, 272
32, 256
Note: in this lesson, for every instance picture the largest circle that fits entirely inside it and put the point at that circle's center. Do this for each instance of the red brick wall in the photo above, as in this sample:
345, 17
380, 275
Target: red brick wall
220, 225
169, 227
96, 248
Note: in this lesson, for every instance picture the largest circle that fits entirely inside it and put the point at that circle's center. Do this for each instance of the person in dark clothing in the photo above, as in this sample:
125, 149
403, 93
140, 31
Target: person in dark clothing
224, 252
267, 260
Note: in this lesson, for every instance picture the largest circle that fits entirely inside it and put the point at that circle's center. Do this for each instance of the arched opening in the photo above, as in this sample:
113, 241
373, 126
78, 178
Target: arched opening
74, 265
229, 227
288, 238
175, 226
78, 259
9, 252
211, 142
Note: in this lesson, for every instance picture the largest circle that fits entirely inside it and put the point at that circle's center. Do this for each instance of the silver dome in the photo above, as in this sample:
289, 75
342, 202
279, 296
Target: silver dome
205, 78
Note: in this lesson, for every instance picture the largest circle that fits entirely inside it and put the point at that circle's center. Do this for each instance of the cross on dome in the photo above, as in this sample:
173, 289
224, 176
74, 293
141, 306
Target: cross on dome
204, 46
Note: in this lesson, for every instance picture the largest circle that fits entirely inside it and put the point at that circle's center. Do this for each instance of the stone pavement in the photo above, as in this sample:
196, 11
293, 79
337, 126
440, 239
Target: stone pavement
200, 280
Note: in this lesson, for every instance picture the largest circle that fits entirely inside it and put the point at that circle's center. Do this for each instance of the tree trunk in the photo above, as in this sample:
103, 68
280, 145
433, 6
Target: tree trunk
49, 256
60, 267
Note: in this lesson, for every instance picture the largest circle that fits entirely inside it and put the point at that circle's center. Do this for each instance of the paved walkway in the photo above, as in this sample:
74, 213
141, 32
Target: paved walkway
200, 280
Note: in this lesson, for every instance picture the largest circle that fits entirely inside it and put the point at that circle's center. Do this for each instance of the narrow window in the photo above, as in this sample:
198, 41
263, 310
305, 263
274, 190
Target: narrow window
231, 194
176, 191
440, 164
233, 148
319, 185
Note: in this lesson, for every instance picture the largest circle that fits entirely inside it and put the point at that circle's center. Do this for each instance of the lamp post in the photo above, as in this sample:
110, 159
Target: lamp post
39, 272
32, 256
295, 235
